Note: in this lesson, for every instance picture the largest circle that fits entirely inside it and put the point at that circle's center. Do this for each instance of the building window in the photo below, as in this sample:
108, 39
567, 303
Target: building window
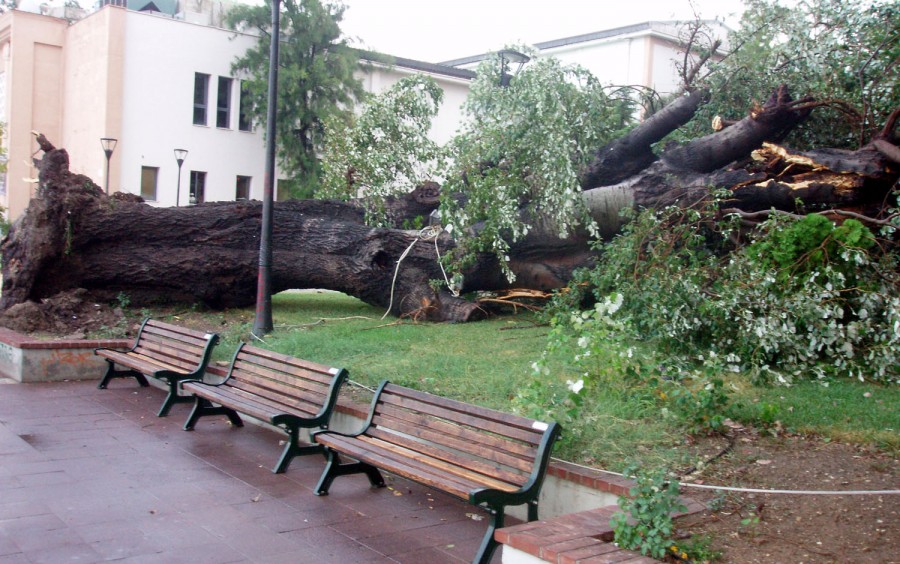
198, 186
201, 95
149, 174
242, 188
223, 106
244, 121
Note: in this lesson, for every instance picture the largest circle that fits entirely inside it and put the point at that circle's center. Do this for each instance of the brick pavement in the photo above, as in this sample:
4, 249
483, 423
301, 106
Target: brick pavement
90, 475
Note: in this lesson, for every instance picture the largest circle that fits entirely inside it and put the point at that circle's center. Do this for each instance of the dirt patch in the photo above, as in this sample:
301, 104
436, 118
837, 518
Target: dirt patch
746, 527
69, 315
765, 528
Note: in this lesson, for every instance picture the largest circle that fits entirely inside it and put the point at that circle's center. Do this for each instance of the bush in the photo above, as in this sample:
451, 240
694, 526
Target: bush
804, 298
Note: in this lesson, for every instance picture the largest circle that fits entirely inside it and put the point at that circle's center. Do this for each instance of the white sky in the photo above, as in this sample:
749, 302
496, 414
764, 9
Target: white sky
441, 30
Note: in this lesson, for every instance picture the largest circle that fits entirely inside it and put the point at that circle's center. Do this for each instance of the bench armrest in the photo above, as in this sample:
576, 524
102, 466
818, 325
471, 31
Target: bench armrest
530, 489
136, 340
368, 422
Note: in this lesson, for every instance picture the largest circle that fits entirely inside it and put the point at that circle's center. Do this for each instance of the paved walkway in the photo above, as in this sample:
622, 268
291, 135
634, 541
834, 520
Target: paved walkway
90, 475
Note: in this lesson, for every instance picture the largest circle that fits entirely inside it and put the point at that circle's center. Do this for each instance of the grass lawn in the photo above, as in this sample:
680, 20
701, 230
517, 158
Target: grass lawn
489, 363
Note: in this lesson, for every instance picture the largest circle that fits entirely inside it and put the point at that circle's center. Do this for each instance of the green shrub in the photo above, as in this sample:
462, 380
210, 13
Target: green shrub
652, 501
805, 298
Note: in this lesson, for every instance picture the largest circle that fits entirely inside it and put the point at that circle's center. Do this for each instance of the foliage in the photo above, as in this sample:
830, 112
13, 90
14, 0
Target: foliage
386, 151
799, 249
695, 549
650, 504
701, 401
316, 79
806, 298
519, 152
845, 54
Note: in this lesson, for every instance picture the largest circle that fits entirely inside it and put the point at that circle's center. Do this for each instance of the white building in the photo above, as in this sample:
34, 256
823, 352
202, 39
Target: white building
643, 54
157, 82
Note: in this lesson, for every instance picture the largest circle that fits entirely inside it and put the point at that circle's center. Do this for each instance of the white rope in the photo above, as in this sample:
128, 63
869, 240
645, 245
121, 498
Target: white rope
424, 234
358, 385
751, 490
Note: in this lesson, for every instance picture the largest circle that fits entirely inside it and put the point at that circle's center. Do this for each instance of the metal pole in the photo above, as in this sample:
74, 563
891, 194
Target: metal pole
263, 323
178, 188
108, 155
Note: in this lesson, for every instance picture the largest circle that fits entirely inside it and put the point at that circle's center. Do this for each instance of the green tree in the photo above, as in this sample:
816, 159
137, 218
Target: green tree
521, 148
386, 151
844, 54
315, 79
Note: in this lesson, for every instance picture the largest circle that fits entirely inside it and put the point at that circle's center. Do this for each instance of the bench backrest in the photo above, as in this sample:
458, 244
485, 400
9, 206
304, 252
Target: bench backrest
308, 387
505, 450
178, 346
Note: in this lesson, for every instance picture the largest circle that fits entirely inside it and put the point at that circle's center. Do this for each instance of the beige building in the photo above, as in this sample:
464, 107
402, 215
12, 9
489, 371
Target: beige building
36, 52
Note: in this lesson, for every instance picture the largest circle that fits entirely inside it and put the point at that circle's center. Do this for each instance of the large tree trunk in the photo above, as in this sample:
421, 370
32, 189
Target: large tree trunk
73, 235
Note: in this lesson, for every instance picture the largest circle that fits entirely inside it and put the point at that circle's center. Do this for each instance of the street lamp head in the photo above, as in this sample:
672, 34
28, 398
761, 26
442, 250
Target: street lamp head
109, 145
180, 155
507, 57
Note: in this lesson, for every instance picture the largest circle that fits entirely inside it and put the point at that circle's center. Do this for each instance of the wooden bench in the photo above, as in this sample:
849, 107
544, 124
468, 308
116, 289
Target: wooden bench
281, 390
163, 351
488, 458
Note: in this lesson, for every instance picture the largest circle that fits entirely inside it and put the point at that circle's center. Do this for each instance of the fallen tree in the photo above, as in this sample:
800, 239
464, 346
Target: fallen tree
74, 236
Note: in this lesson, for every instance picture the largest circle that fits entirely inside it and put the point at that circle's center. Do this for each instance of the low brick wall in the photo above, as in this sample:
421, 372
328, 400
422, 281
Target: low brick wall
24, 359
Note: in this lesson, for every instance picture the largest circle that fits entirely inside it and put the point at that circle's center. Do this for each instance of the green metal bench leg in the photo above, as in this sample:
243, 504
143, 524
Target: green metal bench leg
488, 544
293, 448
204, 407
172, 399
334, 468
111, 373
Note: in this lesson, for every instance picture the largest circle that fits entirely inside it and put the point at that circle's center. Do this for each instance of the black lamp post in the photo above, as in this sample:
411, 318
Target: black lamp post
109, 145
508, 56
180, 155
263, 322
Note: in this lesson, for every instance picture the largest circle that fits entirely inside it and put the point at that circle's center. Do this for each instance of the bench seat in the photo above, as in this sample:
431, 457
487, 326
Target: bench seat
163, 351
486, 457
278, 389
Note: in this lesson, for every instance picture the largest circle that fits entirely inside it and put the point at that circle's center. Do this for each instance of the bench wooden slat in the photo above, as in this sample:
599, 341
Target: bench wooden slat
458, 438
168, 355
521, 450
176, 333
270, 369
276, 388
156, 342
457, 416
255, 373
406, 468
436, 463
440, 440
279, 401
507, 419
251, 405
457, 459
139, 362
300, 389
271, 405
290, 365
